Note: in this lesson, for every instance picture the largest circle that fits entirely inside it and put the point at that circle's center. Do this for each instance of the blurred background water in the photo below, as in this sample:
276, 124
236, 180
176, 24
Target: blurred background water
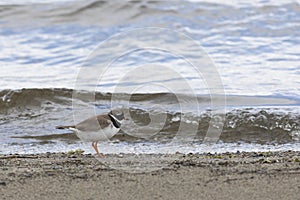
255, 47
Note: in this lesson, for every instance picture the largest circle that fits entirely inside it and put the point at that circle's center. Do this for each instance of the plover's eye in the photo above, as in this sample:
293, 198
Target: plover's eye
118, 114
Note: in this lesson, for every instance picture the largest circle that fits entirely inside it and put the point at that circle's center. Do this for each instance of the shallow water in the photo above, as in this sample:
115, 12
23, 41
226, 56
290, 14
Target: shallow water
248, 52
28, 119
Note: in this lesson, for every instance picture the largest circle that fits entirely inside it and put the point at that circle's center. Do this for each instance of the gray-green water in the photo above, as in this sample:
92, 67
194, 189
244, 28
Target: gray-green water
252, 47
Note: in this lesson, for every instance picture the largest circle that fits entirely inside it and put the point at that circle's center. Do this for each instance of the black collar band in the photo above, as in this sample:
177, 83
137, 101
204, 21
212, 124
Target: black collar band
115, 122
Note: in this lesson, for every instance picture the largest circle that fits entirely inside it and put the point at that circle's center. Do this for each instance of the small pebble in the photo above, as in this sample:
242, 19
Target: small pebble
2, 183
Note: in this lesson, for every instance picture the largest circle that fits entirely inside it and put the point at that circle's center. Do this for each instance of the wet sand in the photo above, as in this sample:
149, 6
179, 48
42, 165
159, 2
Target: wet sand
176, 176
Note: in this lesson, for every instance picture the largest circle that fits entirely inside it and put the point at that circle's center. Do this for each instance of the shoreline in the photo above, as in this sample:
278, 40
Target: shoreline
251, 175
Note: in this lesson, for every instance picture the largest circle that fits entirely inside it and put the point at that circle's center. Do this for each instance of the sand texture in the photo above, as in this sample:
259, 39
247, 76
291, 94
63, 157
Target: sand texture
177, 176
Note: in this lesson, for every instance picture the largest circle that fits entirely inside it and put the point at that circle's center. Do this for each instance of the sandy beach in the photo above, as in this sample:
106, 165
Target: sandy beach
269, 175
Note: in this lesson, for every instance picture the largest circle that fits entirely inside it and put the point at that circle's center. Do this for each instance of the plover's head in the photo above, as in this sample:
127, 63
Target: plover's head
117, 114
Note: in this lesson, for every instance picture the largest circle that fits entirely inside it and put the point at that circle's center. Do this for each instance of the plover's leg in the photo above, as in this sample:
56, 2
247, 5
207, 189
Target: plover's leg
94, 144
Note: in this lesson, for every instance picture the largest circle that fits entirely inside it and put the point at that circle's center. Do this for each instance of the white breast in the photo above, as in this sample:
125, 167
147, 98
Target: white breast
100, 135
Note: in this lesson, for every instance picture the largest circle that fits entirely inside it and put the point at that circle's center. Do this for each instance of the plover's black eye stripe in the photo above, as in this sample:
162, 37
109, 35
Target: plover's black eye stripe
120, 116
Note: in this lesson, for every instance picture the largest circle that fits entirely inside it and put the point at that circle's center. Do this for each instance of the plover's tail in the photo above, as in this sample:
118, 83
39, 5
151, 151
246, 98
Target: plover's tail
64, 127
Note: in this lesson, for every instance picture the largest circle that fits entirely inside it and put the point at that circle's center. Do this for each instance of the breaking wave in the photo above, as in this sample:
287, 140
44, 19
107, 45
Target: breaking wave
35, 113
